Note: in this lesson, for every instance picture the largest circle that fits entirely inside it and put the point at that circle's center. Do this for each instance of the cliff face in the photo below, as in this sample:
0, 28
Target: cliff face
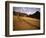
35, 15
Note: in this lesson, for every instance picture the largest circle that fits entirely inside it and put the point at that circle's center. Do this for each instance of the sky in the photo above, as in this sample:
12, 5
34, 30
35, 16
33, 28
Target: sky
26, 10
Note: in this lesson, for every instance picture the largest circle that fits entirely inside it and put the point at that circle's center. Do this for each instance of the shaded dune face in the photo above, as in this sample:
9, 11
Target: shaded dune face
25, 23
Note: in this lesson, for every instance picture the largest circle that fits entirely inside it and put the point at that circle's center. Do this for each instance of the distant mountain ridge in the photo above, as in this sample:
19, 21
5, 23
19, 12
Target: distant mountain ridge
19, 14
35, 15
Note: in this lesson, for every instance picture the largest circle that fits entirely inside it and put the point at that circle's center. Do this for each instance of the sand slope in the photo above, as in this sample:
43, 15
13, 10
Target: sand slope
25, 23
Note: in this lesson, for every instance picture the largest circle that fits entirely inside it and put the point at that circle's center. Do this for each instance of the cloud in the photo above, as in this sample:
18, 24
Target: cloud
26, 10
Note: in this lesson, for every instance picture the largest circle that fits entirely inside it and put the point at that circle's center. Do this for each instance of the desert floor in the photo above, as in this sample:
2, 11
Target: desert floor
25, 23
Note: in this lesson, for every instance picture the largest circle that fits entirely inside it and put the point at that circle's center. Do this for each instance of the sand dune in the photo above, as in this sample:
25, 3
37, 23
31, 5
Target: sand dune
25, 23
